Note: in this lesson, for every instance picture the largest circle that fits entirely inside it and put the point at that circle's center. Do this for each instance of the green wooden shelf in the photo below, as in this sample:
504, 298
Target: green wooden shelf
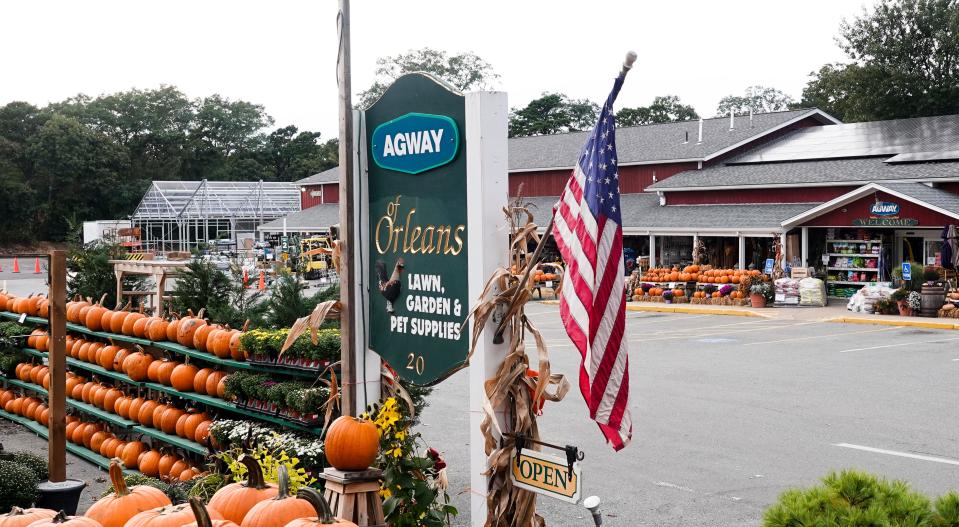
77, 450
185, 444
214, 402
86, 408
172, 347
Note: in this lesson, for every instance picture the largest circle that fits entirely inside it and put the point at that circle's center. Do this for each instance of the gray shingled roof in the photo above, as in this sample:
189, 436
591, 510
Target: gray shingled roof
327, 176
642, 211
655, 142
933, 196
313, 219
851, 171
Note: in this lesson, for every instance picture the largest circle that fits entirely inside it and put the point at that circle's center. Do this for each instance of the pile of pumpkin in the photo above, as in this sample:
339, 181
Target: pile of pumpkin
738, 295
541, 276
33, 305
189, 424
658, 291
251, 503
97, 438
695, 273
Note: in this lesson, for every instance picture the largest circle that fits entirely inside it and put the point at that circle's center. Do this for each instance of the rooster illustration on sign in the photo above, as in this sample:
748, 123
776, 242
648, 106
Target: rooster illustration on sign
391, 287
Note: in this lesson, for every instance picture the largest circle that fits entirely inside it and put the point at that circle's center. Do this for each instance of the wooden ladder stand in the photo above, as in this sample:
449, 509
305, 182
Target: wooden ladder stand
355, 496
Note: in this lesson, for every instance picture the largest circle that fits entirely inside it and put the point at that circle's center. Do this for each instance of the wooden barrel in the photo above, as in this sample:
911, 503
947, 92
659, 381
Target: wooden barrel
933, 297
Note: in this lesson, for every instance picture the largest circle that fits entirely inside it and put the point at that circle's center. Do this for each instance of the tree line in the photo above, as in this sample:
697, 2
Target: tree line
93, 158
87, 158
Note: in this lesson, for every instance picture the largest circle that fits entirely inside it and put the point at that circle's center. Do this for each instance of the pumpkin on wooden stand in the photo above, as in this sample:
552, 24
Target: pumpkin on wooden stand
18, 517
280, 509
352, 443
324, 516
236, 499
114, 510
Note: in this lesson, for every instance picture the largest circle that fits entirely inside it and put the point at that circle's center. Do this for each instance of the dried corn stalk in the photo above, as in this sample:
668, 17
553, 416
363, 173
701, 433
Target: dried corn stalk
511, 389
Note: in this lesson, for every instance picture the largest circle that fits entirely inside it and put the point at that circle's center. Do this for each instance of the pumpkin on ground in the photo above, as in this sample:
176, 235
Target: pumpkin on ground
235, 500
168, 516
114, 510
62, 520
324, 516
280, 509
18, 517
352, 443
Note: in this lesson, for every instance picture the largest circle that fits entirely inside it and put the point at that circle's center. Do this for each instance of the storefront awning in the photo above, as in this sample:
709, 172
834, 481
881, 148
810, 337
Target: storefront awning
642, 215
318, 218
883, 205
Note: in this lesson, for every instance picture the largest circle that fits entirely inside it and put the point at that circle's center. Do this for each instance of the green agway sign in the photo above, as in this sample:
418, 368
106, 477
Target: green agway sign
417, 221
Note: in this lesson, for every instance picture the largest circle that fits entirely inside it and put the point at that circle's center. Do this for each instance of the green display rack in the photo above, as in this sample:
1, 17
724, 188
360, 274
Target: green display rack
86, 408
77, 450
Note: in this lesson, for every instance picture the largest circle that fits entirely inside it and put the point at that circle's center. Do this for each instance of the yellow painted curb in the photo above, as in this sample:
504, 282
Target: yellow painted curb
895, 322
674, 308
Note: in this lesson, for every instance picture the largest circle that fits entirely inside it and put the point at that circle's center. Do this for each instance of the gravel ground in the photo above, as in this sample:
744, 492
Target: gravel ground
16, 437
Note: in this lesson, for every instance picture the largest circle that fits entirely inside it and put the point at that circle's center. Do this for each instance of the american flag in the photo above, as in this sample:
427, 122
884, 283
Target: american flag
587, 226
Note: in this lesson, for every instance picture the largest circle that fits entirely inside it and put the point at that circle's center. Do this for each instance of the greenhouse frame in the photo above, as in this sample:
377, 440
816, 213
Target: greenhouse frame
186, 215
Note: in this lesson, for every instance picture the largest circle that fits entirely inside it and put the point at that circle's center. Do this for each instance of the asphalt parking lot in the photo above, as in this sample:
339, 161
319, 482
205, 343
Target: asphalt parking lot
729, 412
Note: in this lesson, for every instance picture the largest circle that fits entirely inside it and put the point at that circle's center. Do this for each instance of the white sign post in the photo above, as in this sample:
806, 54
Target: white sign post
487, 236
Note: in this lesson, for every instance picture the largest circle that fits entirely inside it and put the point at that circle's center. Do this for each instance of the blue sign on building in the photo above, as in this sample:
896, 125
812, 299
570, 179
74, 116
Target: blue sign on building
906, 271
884, 208
415, 142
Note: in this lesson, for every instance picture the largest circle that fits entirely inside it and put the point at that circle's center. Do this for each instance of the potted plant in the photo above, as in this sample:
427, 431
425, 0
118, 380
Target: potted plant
668, 296
914, 301
899, 297
760, 293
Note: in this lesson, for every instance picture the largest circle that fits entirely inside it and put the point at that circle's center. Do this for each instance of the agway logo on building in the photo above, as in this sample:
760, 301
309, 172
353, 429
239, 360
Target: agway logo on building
415, 142
884, 208
547, 475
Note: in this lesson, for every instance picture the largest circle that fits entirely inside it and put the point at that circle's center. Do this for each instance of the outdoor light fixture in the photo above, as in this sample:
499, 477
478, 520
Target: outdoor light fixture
592, 503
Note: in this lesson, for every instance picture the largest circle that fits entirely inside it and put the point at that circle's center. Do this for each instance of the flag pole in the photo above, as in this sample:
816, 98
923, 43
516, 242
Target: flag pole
498, 336
348, 267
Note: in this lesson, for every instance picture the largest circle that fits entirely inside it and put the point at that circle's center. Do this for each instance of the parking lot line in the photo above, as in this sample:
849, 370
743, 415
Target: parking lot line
910, 455
910, 343
791, 339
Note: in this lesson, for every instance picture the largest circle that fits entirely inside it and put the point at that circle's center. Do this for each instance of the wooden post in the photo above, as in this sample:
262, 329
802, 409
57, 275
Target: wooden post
57, 447
347, 231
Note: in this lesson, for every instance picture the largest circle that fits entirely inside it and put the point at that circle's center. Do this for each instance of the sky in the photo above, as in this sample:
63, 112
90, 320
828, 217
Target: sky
282, 54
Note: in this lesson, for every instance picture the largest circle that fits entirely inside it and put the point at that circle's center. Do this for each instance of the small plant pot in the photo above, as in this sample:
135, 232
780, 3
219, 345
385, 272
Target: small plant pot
757, 300
904, 309
62, 495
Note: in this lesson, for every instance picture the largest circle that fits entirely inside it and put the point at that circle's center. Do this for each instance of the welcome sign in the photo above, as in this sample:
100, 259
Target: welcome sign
419, 263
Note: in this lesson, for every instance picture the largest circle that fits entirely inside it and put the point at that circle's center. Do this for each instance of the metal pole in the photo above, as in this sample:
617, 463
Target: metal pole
57, 447
347, 230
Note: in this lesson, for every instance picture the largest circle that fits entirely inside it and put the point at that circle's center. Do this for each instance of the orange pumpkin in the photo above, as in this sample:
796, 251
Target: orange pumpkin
321, 509
165, 464
148, 463
280, 509
182, 377
117, 320
62, 520
236, 499
352, 443
157, 417
219, 342
145, 414
156, 329
107, 356
202, 434
201, 334
169, 419
18, 517
187, 330
131, 453
140, 327
201, 513
236, 347
168, 516
199, 380
129, 321
192, 422
172, 327
136, 365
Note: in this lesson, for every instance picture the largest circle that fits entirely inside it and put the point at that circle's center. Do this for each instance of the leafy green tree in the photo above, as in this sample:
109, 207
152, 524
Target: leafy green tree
552, 113
464, 71
293, 155
759, 99
903, 62
201, 286
76, 171
664, 109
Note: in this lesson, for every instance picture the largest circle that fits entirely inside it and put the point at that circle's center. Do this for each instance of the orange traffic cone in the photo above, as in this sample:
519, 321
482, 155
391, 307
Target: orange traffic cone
246, 279
262, 285
16, 265
36, 266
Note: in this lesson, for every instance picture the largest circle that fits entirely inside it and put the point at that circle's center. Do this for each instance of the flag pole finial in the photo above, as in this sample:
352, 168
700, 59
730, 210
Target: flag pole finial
628, 64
